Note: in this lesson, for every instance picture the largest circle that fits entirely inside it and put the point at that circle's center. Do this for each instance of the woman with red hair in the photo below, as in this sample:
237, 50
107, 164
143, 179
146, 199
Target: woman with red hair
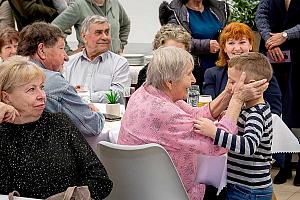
235, 39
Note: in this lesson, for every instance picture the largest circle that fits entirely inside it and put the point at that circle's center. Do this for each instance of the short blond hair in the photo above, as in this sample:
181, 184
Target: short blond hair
168, 64
17, 71
256, 65
172, 32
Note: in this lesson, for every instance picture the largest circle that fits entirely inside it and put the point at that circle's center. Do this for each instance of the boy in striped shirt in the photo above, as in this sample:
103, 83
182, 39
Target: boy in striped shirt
249, 155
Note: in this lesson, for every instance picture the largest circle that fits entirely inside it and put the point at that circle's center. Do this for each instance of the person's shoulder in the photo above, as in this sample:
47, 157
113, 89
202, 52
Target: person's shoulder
114, 57
75, 57
260, 109
216, 3
215, 70
80, 2
55, 81
175, 4
55, 77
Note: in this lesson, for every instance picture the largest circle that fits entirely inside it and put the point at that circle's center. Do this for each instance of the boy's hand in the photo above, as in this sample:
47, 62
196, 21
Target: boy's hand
205, 127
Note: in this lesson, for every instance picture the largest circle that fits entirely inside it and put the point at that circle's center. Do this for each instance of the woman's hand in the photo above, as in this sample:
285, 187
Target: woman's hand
275, 40
205, 127
214, 46
246, 92
276, 54
7, 113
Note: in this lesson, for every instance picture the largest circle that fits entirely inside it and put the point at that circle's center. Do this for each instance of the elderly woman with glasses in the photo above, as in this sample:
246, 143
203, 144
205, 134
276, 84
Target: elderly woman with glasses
157, 113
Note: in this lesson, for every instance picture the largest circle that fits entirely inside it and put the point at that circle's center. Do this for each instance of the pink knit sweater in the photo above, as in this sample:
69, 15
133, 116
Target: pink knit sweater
151, 117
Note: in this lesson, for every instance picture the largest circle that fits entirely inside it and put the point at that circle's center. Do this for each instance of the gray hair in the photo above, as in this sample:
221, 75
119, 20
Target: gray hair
167, 64
94, 19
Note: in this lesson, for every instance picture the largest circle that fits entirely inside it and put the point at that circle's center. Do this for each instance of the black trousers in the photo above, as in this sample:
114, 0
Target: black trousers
211, 193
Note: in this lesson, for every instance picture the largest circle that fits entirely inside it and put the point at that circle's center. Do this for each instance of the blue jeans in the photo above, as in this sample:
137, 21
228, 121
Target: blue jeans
237, 192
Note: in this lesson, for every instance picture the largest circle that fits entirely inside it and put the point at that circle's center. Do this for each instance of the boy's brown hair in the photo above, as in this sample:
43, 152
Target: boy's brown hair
256, 65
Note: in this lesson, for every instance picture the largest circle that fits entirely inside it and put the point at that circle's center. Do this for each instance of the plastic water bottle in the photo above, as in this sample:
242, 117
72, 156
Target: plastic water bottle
194, 93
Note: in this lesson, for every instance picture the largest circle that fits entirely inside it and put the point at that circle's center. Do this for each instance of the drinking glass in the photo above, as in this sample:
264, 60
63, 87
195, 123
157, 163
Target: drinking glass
193, 95
84, 93
204, 99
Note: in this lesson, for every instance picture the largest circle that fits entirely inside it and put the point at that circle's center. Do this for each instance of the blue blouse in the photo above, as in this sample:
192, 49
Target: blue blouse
205, 25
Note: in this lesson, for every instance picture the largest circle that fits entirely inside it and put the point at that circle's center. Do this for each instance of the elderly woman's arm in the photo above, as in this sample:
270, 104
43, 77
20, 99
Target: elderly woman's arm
242, 92
7, 113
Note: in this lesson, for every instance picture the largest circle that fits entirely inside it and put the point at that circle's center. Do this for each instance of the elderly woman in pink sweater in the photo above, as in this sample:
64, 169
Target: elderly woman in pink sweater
156, 113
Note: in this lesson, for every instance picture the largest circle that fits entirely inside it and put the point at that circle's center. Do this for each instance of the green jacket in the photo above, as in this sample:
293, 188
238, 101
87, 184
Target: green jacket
80, 9
29, 11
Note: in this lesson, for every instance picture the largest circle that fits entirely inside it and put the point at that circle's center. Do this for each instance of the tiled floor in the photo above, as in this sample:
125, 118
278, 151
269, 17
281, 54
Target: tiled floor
286, 191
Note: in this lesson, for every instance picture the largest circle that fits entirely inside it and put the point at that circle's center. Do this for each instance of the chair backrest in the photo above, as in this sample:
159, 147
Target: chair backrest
141, 172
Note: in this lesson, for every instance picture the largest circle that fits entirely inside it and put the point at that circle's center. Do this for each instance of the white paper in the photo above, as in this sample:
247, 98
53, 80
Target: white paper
284, 141
212, 170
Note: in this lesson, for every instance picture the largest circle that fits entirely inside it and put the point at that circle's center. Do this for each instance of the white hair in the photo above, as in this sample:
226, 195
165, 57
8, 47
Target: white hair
168, 64
94, 19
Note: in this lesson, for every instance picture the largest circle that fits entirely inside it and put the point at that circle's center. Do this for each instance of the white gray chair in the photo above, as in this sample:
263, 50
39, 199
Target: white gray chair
141, 172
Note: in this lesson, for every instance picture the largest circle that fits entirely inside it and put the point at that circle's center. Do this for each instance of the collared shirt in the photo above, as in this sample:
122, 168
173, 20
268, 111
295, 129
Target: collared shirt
108, 71
62, 97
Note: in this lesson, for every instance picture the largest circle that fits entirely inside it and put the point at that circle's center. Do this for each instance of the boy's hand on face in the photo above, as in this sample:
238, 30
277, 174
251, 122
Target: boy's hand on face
205, 127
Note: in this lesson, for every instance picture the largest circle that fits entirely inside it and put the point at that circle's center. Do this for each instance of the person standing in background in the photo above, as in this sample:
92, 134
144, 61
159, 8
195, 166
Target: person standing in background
6, 17
203, 19
279, 24
111, 9
29, 11
236, 39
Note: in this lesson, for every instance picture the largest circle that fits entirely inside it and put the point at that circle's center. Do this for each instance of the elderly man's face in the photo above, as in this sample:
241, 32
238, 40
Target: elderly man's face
55, 56
97, 40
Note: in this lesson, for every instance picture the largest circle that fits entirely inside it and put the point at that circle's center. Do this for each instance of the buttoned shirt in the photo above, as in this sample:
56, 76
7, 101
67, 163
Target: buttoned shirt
108, 71
62, 97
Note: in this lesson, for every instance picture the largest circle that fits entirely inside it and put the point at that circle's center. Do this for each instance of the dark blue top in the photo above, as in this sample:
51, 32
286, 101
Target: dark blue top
205, 25
215, 80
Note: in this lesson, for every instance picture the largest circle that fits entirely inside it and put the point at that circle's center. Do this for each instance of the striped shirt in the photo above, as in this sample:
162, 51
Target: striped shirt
249, 153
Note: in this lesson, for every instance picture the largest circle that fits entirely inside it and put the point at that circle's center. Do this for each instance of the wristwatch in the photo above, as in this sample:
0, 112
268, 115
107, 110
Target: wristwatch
285, 35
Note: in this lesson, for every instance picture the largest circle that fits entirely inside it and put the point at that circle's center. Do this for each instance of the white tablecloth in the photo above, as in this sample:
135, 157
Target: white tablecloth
110, 130
284, 141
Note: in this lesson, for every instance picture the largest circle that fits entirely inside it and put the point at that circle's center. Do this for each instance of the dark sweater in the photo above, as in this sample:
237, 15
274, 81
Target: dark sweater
45, 157
28, 11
